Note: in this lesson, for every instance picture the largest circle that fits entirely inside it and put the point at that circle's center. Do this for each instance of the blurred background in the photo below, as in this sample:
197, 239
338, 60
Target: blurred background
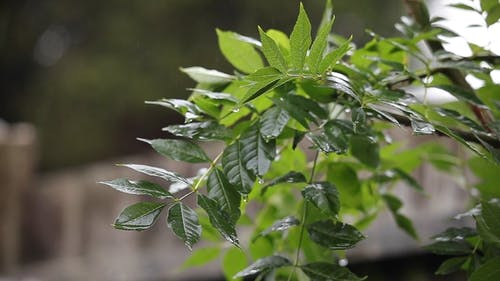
74, 76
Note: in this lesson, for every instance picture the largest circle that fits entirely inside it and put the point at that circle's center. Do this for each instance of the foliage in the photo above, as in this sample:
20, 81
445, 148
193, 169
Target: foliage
306, 140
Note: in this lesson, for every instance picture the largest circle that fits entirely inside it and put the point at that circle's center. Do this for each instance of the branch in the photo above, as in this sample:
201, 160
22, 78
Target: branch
467, 136
419, 12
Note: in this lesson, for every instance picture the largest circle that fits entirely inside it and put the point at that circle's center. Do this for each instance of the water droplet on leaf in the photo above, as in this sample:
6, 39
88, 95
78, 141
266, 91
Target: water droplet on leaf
343, 262
236, 109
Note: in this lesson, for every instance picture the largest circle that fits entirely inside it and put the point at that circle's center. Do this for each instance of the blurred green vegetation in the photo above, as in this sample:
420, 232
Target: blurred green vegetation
80, 70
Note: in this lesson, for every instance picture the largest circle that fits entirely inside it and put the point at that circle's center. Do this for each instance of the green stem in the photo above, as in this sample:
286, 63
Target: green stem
303, 221
195, 188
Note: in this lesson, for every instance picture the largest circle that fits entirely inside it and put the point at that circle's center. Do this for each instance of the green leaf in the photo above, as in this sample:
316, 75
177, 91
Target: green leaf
240, 53
455, 234
451, 265
301, 109
463, 6
234, 261
334, 56
461, 94
272, 52
405, 224
262, 81
281, 225
341, 83
257, 153
179, 150
290, 177
450, 247
332, 139
408, 179
324, 196
189, 110
183, 221
208, 130
217, 96
491, 215
201, 256
273, 121
493, 15
365, 150
224, 193
157, 172
485, 232
487, 5
300, 39
318, 47
334, 236
139, 216
219, 218
207, 76
264, 265
140, 187
235, 169
322, 271
451, 134
489, 271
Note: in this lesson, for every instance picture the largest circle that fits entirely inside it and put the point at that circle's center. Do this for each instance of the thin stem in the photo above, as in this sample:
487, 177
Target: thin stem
202, 178
304, 217
212, 165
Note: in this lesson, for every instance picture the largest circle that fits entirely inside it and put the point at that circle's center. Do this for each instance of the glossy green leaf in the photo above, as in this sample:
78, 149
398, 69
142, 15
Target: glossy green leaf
421, 127
219, 218
290, 177
489, 271
324, 196
264, 265
139, 216
302, 109
216, 96
189, 110
318, 47
179, 150
183, 221
207, 76
238, 51
451, 265
235, 169
226, 195
208, 130
334, 56
300, 39
328, 144
257, 152
365, 150
262, 81
281, 225
334, 236
157, 172
273, 121
272, 52
341, 83
139, 187
322, 271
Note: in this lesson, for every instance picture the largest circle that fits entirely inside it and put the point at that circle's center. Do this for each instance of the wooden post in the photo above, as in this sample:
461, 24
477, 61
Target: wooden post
17, 162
